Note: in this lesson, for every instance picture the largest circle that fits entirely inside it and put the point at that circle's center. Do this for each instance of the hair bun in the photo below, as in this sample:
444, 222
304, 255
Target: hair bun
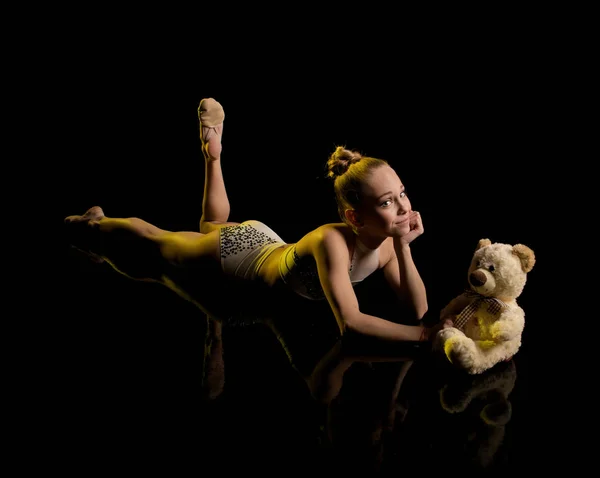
340, 160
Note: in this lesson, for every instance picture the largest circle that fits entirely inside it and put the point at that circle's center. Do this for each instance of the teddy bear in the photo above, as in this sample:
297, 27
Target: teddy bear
486, 320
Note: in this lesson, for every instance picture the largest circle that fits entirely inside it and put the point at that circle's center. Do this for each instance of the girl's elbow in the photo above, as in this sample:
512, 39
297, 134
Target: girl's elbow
421, 311
349, 323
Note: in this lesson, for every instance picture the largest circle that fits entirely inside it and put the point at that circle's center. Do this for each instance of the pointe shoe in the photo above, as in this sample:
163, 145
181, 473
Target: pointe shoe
211, 116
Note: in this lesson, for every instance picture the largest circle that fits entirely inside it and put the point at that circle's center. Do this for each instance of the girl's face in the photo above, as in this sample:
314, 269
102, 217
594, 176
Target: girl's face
385, 209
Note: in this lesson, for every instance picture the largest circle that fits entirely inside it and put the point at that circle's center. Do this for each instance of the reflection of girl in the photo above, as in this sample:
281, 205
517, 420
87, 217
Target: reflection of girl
362, 393
378, 227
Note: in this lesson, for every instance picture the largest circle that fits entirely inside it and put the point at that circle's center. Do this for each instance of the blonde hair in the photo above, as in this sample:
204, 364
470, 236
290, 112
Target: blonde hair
349, 169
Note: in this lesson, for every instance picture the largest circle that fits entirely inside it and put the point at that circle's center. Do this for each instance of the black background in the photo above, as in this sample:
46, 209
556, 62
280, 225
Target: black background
479, 132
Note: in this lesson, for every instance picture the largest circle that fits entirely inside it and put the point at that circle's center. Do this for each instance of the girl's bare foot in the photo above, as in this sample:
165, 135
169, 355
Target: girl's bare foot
79, 231
93, 214
211, 116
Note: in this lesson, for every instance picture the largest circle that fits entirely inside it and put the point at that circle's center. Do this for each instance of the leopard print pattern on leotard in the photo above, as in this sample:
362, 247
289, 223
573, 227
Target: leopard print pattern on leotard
235, 239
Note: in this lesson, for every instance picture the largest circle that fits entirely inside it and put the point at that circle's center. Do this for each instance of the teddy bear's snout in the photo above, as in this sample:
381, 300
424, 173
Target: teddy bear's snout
477, 278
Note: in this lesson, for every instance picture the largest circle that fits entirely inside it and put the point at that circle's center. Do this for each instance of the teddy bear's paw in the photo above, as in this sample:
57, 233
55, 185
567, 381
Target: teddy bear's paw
443, 336
447, 333
461, 351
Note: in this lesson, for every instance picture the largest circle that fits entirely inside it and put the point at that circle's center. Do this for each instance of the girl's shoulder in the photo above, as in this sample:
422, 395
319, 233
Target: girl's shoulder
334, 230
338, 233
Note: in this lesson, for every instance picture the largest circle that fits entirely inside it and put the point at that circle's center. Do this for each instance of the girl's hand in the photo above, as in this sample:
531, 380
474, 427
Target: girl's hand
408, 233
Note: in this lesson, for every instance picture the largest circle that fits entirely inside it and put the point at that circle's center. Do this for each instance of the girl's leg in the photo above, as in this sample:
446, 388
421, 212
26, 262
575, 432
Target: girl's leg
138, 249
215, 203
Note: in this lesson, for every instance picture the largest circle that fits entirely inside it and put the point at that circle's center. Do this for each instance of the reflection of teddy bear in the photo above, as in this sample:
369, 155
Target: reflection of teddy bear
482, 403
487, 321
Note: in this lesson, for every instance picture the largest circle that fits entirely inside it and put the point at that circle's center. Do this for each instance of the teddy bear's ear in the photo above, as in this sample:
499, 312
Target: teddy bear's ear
483, 243
525, 255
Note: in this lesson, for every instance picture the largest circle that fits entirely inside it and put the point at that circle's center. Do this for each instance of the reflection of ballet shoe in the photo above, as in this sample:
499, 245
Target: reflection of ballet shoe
211, 116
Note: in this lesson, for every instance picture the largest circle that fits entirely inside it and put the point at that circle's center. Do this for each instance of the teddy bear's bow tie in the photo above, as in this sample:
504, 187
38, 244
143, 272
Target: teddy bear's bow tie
494, 307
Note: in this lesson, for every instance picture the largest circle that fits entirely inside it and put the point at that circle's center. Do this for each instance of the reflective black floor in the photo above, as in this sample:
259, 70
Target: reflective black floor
143, 381
140, 381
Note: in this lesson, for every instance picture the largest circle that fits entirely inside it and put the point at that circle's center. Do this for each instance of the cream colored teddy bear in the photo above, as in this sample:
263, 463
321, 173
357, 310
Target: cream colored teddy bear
487, 321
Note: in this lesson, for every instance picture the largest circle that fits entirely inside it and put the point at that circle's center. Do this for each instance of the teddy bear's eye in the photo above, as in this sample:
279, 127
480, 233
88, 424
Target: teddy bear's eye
491, 268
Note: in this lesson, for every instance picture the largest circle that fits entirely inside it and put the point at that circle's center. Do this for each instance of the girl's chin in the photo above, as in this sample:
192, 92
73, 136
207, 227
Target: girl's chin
404, 226
399, 230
